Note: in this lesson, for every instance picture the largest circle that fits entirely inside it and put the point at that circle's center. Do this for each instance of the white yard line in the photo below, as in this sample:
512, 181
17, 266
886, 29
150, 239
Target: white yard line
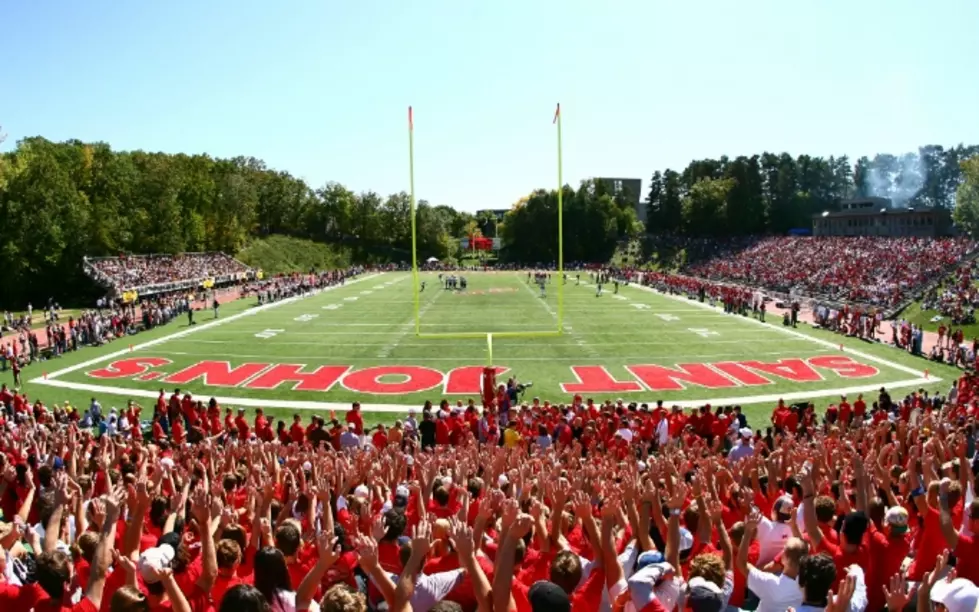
191, 330
497, 340
587, 348
644, 359
407, 326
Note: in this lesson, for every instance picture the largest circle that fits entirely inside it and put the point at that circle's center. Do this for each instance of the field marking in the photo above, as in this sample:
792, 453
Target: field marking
791, 332
679, 339
269, 333
401, 408
589, 349
406, 327
186, 332
703, 332
673, 358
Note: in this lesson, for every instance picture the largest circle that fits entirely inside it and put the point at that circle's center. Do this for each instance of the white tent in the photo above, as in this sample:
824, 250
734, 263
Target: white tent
432, 260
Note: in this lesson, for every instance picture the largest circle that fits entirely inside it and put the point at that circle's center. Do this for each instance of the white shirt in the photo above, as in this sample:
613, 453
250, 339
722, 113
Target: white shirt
776, 592
662, 432
432, 588
285, 601
771, 540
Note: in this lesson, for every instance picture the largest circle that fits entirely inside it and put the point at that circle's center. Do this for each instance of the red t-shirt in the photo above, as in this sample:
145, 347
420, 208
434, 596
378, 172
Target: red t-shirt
844, 559
354, 416
967, 558
930, 542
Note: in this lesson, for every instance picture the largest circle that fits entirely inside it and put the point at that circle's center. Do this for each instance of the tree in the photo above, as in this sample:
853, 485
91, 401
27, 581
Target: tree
966, 212
705, 207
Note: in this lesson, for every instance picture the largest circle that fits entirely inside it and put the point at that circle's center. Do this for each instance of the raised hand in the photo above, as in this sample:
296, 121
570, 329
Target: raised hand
329, 548
679, 497
931, 578
377, 528
462, 539
840, 601
200, 507
421, 538
367, 549
581, 503
522, 526
510, 511
125, 563
897, 592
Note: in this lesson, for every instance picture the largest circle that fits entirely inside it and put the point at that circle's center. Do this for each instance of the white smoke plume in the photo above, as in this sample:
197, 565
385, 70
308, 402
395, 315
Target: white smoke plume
901, 182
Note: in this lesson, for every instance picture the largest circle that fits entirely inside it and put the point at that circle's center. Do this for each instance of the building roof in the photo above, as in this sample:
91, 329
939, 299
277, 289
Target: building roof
866, 212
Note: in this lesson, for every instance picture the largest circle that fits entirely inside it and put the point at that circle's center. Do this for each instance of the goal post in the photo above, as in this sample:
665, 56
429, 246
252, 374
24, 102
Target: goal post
415, 276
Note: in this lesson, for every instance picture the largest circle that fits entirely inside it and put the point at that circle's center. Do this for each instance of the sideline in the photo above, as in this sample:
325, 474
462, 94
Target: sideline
797, 334
180, 334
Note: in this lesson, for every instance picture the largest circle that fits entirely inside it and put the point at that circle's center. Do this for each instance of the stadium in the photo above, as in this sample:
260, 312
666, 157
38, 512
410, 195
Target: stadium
494, 370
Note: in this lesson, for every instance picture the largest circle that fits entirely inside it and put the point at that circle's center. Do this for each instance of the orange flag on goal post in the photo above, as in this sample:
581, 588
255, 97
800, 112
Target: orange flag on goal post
557, 113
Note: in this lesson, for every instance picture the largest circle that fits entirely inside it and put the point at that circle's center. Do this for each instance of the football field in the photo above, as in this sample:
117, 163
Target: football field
358, 342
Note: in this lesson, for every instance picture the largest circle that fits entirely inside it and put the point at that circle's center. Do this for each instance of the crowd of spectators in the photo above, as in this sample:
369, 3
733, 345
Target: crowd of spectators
114, 319
875, 271
957, 299
141, 272
547, 508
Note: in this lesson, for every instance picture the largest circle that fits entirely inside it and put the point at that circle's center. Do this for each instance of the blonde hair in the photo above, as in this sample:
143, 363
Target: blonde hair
341, 598
708, 566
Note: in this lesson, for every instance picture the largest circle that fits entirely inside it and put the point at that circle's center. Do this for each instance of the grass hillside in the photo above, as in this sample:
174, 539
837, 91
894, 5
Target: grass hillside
281, 254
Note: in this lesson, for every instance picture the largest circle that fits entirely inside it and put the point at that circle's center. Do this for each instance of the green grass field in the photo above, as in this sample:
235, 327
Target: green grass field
358, 342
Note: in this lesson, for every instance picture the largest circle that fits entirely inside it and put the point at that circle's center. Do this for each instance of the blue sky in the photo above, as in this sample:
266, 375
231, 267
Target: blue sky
321, 88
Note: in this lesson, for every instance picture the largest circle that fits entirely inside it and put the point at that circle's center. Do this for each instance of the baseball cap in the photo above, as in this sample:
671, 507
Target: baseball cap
686, 540
153, 560
361, 491
897, 518
704, 596
959, 595
746, 432
648, 558
545, 596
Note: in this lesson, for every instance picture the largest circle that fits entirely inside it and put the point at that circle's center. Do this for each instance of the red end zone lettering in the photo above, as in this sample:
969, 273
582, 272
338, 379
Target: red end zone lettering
596, 379
416, 378
796, 370
216, 373
321, 379
468, 380
127, 368
844, 366
662, 378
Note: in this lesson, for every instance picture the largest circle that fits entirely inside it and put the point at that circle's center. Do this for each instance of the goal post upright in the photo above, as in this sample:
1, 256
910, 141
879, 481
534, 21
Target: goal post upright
415, 275
414, 232
560, 226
